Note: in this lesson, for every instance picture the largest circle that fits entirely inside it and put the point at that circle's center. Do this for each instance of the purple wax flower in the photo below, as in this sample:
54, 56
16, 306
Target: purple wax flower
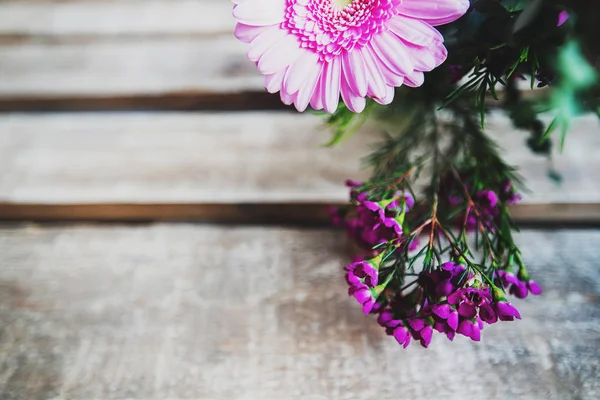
402, 336
563, 16
364, 296
469, 329
506, 311
468, 300
366, 270
534, 288
487, 314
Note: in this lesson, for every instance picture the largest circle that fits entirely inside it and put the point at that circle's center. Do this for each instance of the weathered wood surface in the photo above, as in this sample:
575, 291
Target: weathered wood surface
204, 312
45, 18
238, 158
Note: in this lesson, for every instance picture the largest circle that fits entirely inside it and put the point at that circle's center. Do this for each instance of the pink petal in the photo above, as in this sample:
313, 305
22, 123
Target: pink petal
434, 12
353, 101
309, 87
353, 67
330, 81
282, 54
427, 58
264, 41
274, 82
260, 12
392, 52
316, 101
390, 77
415, 31
375, 79
299, 71
286, 98
247, 33
388, 98
416, 79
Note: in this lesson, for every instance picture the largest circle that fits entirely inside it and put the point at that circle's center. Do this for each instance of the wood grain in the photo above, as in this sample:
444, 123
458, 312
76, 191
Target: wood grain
258, 157
203, 312
115, 18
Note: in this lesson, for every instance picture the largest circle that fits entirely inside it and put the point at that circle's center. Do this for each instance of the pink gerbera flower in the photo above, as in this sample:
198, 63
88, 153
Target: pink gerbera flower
311, 51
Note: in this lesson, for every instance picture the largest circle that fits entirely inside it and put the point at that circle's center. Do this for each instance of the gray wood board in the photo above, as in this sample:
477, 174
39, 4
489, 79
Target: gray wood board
233, 158
204, 312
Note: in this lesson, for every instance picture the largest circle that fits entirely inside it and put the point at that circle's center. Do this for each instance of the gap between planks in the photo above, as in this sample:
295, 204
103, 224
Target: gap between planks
287, 214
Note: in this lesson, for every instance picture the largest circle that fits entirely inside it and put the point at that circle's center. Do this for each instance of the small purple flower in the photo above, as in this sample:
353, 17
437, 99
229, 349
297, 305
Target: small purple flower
366, 270
335, 216
468, 299
506, 311
534, 288
447, 314
409, 201
424, 336
519, 290
402, 336
469, 329
376, 207
563, 16
487, 314
444, 328
364, 296
488, 198
386, 319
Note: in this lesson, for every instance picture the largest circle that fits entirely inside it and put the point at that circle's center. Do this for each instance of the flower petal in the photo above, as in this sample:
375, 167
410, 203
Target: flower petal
280, 55
299, 71
353, 68
309, 87
260, 12
247, 33
353, 101
330, 81
273, 82
434, 12
415, 31
264, 41
390, 49
375, 80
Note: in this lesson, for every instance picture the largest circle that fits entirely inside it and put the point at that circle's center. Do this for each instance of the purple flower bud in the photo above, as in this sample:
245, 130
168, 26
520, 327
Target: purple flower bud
402, 336
534, 288
506, 311
519, 290
469, 329
452, 320
487, 314
467, 310
416, 324
352, 183
425, 335
442, 310
563, 16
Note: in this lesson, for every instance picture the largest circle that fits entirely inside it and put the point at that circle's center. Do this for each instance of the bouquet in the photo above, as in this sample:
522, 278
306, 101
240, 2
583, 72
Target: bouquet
433, 221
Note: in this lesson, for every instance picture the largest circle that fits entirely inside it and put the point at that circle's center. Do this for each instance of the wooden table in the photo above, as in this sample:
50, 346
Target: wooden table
163, 233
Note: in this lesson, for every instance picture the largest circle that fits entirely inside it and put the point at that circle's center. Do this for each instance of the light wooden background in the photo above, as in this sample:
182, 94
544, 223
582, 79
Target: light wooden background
155, 241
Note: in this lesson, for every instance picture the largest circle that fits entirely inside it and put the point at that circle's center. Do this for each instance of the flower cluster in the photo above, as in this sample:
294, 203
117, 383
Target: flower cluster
453, 297
375, 220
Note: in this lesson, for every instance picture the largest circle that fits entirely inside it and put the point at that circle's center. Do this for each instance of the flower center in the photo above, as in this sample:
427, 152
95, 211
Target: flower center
329, 27
340, 4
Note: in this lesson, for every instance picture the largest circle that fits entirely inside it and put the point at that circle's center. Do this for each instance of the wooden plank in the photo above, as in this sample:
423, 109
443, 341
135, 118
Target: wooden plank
184, 311
126, 67
199, 158
272, 213
115, 18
